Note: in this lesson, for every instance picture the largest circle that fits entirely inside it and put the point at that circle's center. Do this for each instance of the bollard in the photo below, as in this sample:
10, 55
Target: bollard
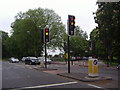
42, 64
93, 67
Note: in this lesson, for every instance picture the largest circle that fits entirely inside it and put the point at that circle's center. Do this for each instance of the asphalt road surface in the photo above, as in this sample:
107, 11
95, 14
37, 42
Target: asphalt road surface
20, 76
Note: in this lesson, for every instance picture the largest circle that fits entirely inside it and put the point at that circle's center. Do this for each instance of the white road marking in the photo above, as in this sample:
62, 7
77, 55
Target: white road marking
94, 86
58, 84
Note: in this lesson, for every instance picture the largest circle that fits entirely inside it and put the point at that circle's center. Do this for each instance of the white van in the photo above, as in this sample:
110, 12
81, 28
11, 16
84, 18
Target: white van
43, 58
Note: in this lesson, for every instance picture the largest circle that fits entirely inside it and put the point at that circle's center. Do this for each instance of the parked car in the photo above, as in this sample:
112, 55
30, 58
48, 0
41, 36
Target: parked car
77, 58
85, 58
23, 59
14, 60
43, 58
32, 60
118, 67
72, 58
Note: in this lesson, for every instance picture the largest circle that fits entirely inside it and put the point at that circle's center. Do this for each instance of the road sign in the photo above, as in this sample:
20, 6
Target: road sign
95, 62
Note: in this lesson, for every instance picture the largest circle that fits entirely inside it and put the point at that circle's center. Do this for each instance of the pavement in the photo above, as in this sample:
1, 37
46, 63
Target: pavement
83, 77
56, 69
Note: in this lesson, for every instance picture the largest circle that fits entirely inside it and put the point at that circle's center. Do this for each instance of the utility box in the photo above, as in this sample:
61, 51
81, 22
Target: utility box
93, 67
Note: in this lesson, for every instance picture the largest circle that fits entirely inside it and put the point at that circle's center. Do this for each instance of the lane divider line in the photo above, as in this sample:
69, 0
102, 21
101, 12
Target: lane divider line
49, 85
94, 86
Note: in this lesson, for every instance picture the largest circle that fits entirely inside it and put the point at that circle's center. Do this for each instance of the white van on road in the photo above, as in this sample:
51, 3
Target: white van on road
43, 58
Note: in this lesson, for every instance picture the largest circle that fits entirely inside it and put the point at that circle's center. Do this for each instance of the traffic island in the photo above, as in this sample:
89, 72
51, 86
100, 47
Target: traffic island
83, 77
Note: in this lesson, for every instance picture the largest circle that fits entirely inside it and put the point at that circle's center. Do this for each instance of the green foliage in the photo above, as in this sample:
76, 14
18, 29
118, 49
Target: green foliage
58, 59
99, 47
78, 43
26, 39
3, 41
106, 35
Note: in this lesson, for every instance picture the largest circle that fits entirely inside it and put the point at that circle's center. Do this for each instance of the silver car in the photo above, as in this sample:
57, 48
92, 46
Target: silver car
23, 59
14, 60
32, 60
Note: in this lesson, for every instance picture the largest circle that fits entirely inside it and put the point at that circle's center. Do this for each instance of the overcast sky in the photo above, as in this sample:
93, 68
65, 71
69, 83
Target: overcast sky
81, 9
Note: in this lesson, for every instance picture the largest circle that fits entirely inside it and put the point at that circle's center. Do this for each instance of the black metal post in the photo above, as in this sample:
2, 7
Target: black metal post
45, 56
68, 55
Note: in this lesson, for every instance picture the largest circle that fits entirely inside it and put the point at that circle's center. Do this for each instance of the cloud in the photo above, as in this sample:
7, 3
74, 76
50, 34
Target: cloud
81, 9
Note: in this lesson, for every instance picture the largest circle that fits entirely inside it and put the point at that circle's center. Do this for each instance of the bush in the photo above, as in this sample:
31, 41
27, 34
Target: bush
58, 59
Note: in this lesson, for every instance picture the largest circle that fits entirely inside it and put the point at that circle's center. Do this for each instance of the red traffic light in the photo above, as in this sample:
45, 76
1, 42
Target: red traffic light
46, 30
72, 18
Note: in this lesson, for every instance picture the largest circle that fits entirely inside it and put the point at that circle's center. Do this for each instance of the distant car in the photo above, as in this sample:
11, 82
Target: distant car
118, 67
32, 60
73, 58
48, 61
23, 59
14, 60
85, 58
43, 58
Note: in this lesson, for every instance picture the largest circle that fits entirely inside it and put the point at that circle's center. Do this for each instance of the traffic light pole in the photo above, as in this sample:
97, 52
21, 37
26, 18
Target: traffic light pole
46, 39
68, 54
70, 27
45, 56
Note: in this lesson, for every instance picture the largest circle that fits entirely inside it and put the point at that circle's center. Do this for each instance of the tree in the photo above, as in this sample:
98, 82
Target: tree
3, 39
28, 39
99, 50
78, 43
28, 35
108, 19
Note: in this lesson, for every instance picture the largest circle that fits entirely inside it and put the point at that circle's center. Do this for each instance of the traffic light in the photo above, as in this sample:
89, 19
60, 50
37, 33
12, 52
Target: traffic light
46, 34
71, 24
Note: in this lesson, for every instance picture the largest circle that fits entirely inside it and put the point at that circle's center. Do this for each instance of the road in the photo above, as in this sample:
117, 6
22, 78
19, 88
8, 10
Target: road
21, 76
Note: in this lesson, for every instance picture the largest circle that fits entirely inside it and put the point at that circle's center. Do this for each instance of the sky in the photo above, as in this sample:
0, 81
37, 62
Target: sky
81, 9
